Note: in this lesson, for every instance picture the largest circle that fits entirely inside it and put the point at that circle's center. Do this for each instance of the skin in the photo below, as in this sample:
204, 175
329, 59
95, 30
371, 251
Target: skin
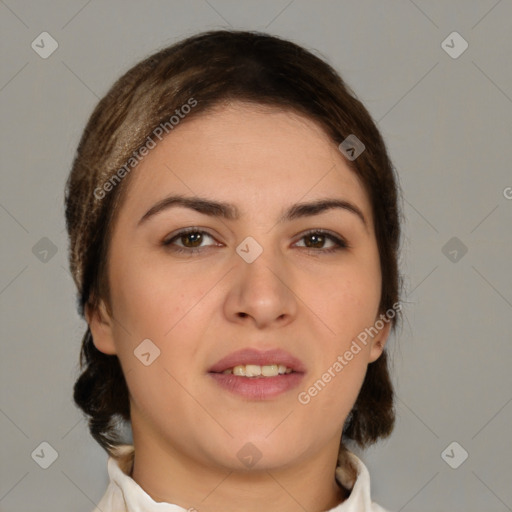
197, 308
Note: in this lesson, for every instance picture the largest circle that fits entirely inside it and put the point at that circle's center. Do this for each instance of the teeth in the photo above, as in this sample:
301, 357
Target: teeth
270, 371
254, 370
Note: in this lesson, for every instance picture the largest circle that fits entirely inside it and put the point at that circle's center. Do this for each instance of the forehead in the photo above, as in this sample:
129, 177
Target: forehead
246, 154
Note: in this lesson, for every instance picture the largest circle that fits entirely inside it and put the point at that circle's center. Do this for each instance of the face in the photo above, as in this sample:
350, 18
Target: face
254, 273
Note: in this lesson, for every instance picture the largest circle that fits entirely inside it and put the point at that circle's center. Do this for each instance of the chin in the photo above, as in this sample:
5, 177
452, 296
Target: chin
258, 452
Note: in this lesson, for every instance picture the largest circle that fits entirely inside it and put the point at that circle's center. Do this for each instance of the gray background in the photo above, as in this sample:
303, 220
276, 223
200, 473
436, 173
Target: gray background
447, 122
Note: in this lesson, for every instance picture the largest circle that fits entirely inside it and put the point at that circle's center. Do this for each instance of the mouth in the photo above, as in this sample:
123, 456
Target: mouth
256, 375
256, 371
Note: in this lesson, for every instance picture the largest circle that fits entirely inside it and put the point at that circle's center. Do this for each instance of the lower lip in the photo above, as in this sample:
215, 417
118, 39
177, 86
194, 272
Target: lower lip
258, 388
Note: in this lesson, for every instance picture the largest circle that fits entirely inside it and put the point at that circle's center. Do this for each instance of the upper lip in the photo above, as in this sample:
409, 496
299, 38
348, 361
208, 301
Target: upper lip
261, 358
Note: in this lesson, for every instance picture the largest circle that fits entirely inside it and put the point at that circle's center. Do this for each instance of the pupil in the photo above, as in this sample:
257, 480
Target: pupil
319, 238
194, 237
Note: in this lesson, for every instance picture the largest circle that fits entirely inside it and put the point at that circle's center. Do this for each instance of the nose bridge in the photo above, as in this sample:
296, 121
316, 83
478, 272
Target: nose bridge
264, 271
260, 289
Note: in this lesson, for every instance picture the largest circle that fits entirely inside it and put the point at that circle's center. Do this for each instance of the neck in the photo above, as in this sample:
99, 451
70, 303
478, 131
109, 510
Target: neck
168, 476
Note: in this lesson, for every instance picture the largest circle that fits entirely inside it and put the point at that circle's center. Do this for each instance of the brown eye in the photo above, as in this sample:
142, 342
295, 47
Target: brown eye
188, 240
192, 239
316, 240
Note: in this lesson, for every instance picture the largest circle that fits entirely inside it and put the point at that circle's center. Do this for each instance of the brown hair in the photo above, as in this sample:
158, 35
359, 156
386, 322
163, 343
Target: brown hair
211, 68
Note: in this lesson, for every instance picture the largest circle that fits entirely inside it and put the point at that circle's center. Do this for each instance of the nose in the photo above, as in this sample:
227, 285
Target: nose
261, 292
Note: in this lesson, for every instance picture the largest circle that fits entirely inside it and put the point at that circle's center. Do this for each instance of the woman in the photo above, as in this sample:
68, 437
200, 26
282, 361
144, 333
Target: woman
234, 232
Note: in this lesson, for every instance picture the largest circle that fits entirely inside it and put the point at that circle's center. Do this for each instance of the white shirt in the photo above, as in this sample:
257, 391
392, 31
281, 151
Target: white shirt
125, 495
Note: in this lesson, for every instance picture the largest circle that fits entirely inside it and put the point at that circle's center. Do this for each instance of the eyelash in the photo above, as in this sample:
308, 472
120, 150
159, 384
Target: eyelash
340, 243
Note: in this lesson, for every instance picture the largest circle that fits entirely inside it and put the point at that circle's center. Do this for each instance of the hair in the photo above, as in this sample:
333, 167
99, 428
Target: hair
214, 68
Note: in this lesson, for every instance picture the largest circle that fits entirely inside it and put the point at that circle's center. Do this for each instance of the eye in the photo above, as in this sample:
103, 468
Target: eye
191, 241
190, 238
318, 237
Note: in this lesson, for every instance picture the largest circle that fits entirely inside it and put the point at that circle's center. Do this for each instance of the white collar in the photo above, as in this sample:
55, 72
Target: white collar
125, 495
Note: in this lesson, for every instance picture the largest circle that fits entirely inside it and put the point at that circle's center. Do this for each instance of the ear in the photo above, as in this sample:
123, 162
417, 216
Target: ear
101, 326
379, 341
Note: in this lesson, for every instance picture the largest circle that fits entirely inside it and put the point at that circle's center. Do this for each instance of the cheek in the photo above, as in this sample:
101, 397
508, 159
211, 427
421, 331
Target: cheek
347, 304
152, 299
160, 306
169, 308
347, 301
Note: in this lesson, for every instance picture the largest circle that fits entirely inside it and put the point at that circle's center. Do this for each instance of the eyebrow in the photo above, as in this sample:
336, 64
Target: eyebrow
230, 211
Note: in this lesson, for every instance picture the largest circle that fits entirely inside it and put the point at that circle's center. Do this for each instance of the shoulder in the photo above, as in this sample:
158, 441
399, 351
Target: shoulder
353, 475
378, 508
119, 469
112, 500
